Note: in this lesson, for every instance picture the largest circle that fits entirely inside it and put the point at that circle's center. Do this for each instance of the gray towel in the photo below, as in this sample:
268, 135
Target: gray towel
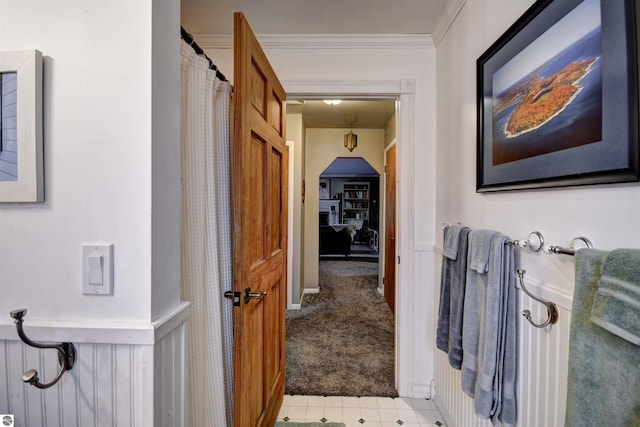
478, 256
499, 300
452, 240
616, 305
458, 286
490, 329
452, 285
604, 369
474, 311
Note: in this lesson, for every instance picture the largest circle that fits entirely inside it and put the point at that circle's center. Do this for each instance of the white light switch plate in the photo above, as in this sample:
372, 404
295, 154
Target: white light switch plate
89, 278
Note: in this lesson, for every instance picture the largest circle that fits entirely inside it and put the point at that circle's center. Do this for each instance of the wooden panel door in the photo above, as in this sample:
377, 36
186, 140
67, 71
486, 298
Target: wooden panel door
390, 228
259, 192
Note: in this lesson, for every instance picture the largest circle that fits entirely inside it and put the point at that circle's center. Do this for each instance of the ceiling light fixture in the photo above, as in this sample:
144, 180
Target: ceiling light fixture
351, 141
332, 101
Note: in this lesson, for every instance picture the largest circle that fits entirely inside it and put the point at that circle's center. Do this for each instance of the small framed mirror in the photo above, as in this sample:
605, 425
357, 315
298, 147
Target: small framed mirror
21, 162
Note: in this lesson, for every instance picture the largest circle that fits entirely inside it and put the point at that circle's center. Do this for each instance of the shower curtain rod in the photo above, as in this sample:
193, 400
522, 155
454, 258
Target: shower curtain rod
188, 38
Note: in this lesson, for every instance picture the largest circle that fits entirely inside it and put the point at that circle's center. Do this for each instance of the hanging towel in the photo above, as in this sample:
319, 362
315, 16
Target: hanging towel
604, 369
499, 308
490, 328
474, 311
452, 285
451, 241
616, 305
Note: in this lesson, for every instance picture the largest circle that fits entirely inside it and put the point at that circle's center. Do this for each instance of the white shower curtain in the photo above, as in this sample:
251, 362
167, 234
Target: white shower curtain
206, 240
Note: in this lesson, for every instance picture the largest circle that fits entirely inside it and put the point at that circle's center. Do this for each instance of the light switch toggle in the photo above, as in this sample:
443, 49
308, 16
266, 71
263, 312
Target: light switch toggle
97, 269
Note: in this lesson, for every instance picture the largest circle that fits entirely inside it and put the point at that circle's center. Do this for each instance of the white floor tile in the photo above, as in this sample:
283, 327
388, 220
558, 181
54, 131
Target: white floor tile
407, 415
298, 400
385, 402
427, 417
297, 413
375, 411
333, 402
370, 414
368, 402
316, 401
402, 403
333, 414
284, 411
351, 414
388, 414
314, 413
350, 402
423, 404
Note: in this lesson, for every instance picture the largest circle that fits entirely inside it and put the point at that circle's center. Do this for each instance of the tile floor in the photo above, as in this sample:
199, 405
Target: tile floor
361, 411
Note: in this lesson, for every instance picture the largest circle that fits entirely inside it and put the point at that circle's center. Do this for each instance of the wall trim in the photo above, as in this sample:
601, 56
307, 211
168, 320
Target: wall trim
424, 247
311, 291
310, 89
444, 23
134, 332
323, 41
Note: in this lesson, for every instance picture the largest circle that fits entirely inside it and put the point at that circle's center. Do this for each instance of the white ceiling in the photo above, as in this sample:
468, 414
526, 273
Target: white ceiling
369, 114
354, 17
315, 16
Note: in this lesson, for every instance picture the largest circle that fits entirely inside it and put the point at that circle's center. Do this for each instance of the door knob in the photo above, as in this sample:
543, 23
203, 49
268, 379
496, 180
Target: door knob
248, 295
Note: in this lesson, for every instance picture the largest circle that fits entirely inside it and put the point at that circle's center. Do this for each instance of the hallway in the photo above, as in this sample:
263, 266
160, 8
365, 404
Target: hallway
341, 343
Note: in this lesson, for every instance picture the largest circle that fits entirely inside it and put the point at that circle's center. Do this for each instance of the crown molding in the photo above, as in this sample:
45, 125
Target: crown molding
444, 23
323, 41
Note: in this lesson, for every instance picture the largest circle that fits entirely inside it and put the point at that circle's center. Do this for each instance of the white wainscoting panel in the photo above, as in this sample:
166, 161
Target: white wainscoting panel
542, 376
110, 384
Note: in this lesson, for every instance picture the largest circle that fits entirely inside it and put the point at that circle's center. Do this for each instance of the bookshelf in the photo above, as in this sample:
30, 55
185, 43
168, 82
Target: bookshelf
355, 203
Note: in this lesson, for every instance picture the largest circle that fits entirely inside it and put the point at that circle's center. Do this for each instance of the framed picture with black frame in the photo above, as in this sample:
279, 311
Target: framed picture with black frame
557, 98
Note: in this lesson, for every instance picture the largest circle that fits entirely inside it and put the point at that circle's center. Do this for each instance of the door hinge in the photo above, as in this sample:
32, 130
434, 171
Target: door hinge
383, 280
235, 296
398, 259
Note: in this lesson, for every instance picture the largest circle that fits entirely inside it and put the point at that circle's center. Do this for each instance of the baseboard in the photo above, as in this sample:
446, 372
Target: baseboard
422, 391
311, 291
295, 307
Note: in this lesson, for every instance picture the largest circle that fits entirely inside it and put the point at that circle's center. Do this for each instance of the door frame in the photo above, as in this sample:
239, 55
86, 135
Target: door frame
404, 91
382, 234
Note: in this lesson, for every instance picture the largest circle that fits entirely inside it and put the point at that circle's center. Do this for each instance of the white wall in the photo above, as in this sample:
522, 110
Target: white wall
323, 146
296, 133
112, 174
605, 214
99, 159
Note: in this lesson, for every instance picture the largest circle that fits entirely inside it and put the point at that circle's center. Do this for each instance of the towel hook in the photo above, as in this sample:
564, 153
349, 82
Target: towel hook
66, 353
552, 310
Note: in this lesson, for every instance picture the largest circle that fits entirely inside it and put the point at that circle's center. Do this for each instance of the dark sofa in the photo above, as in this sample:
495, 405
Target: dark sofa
334, 242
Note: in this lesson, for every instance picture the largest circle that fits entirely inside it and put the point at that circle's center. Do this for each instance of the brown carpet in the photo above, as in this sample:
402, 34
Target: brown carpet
341, 343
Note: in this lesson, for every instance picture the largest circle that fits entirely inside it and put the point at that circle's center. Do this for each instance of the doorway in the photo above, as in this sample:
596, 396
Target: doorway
404, 91
346, 192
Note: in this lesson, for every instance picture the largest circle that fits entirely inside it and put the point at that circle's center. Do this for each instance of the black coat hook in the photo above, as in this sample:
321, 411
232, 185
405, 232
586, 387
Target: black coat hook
66, 353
